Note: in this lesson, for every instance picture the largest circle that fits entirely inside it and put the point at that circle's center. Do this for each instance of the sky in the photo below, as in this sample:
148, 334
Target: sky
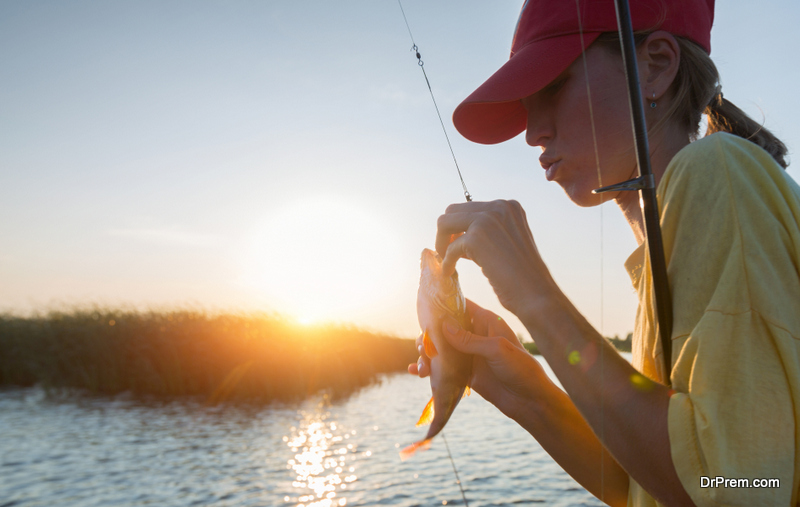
285, 156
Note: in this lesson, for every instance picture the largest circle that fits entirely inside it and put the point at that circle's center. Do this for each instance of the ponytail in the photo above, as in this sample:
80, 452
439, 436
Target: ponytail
723, 116
697, 91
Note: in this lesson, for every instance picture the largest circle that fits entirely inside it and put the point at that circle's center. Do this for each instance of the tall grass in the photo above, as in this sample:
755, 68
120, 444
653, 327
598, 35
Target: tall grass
219, 357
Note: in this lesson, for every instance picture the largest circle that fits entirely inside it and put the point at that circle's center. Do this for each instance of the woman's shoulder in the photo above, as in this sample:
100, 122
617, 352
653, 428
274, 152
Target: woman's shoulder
724, 163
732, 214
723, 151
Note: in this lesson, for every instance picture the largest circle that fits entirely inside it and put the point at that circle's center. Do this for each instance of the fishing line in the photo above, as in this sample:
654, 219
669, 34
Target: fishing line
467, 195
458, 481
421, 64
602, 263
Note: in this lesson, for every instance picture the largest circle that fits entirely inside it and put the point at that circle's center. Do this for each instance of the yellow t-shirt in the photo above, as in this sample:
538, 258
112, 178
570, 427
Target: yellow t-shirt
730, 223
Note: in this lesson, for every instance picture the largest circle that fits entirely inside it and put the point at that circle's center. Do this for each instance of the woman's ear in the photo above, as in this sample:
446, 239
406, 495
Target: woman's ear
659, 57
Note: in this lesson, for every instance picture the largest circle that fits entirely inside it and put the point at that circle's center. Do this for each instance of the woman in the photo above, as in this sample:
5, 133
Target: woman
729, 217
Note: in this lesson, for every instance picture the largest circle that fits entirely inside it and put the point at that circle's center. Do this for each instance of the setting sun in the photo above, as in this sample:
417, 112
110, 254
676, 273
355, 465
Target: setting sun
321, 259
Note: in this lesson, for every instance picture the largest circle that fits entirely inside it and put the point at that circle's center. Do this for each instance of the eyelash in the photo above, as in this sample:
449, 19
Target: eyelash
557, 85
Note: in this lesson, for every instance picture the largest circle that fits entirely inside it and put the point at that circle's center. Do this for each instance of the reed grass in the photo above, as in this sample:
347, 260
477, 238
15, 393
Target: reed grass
254, 357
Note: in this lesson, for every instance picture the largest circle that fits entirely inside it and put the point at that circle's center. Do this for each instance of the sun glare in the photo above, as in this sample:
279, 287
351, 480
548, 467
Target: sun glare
305, 320
322, 260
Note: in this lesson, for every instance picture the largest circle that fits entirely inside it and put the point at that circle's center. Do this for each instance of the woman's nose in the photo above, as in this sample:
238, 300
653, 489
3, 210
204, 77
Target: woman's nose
539, 127
537, 134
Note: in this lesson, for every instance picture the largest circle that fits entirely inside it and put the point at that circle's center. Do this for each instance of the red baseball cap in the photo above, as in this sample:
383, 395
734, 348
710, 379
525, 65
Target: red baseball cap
547, 40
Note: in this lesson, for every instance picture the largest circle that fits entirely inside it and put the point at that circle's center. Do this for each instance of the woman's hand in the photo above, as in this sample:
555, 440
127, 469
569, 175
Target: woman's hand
506, 375
503, 372
495, 235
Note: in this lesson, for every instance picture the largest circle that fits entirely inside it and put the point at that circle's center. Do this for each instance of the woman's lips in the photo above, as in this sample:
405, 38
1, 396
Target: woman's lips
550, 166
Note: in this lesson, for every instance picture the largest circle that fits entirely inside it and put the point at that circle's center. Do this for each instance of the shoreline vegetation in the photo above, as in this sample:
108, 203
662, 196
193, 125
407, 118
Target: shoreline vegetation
217, 357
227, 357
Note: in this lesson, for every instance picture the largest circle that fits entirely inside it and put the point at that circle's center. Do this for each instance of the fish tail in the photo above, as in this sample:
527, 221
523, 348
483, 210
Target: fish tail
409, 451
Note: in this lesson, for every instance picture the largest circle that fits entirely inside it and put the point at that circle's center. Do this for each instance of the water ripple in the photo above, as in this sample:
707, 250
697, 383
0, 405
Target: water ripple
75, 451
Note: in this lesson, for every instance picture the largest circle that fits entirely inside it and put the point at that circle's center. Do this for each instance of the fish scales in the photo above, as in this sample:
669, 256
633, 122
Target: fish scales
440, 296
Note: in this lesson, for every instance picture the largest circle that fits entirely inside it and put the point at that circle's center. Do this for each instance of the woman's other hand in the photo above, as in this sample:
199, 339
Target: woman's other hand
503, 372
422, 367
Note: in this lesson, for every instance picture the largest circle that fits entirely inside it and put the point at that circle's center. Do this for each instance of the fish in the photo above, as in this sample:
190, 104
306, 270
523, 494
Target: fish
439, 296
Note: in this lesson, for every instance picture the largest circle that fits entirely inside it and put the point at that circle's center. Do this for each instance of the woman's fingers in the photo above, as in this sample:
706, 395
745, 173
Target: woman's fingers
422, 367
419, 369
468, 229
454, 237
449, 227
458, 218
423, 363
421, 372
466, 341
495, 236
456, 250
487, 323
474, 309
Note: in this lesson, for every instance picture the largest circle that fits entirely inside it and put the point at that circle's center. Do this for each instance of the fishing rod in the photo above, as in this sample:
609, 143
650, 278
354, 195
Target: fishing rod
467, 196
646, 186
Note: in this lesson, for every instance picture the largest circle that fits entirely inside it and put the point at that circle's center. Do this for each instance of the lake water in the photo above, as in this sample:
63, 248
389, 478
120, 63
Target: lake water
83, 451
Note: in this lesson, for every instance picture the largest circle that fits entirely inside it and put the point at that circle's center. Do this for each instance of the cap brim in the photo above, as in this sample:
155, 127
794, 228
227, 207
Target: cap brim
493, 113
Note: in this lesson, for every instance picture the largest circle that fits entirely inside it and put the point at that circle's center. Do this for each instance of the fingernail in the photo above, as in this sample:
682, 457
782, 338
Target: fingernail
452, 325
419, 348
419, 366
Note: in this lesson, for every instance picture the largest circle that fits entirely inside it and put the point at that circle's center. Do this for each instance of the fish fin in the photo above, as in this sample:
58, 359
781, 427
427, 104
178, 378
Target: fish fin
467, 392
422, 445
427, 414
430, 348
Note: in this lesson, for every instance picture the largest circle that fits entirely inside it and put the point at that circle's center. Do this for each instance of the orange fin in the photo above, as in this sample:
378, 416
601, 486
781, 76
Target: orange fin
430, 348
427, 414
467, 392
422, 445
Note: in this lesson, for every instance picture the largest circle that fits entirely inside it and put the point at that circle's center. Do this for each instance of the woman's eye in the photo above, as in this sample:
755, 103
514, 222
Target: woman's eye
555, 85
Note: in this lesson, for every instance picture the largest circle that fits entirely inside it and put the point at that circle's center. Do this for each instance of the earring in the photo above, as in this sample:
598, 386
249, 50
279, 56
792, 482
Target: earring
653, 103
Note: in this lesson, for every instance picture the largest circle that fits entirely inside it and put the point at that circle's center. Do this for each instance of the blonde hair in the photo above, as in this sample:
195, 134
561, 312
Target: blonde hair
696, 91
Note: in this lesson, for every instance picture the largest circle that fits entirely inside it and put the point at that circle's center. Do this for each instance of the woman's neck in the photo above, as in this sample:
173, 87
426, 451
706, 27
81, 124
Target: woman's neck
662, 150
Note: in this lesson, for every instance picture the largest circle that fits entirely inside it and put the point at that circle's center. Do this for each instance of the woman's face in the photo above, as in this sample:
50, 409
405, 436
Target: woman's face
560, 123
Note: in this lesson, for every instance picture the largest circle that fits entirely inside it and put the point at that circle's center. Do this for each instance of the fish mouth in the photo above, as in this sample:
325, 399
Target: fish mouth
430, 259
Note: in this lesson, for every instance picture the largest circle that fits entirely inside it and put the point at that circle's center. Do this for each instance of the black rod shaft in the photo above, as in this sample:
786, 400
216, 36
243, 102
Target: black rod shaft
647, 195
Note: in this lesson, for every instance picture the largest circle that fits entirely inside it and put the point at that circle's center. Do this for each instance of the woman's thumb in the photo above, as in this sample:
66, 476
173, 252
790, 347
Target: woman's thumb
463, 340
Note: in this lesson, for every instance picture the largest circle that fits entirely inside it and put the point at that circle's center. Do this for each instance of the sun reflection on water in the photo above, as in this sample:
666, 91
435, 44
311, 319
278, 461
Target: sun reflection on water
323, 461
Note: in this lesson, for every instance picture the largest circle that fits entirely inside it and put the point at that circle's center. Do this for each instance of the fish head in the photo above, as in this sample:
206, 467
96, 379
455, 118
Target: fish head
431, 271
430, 262
444, 291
